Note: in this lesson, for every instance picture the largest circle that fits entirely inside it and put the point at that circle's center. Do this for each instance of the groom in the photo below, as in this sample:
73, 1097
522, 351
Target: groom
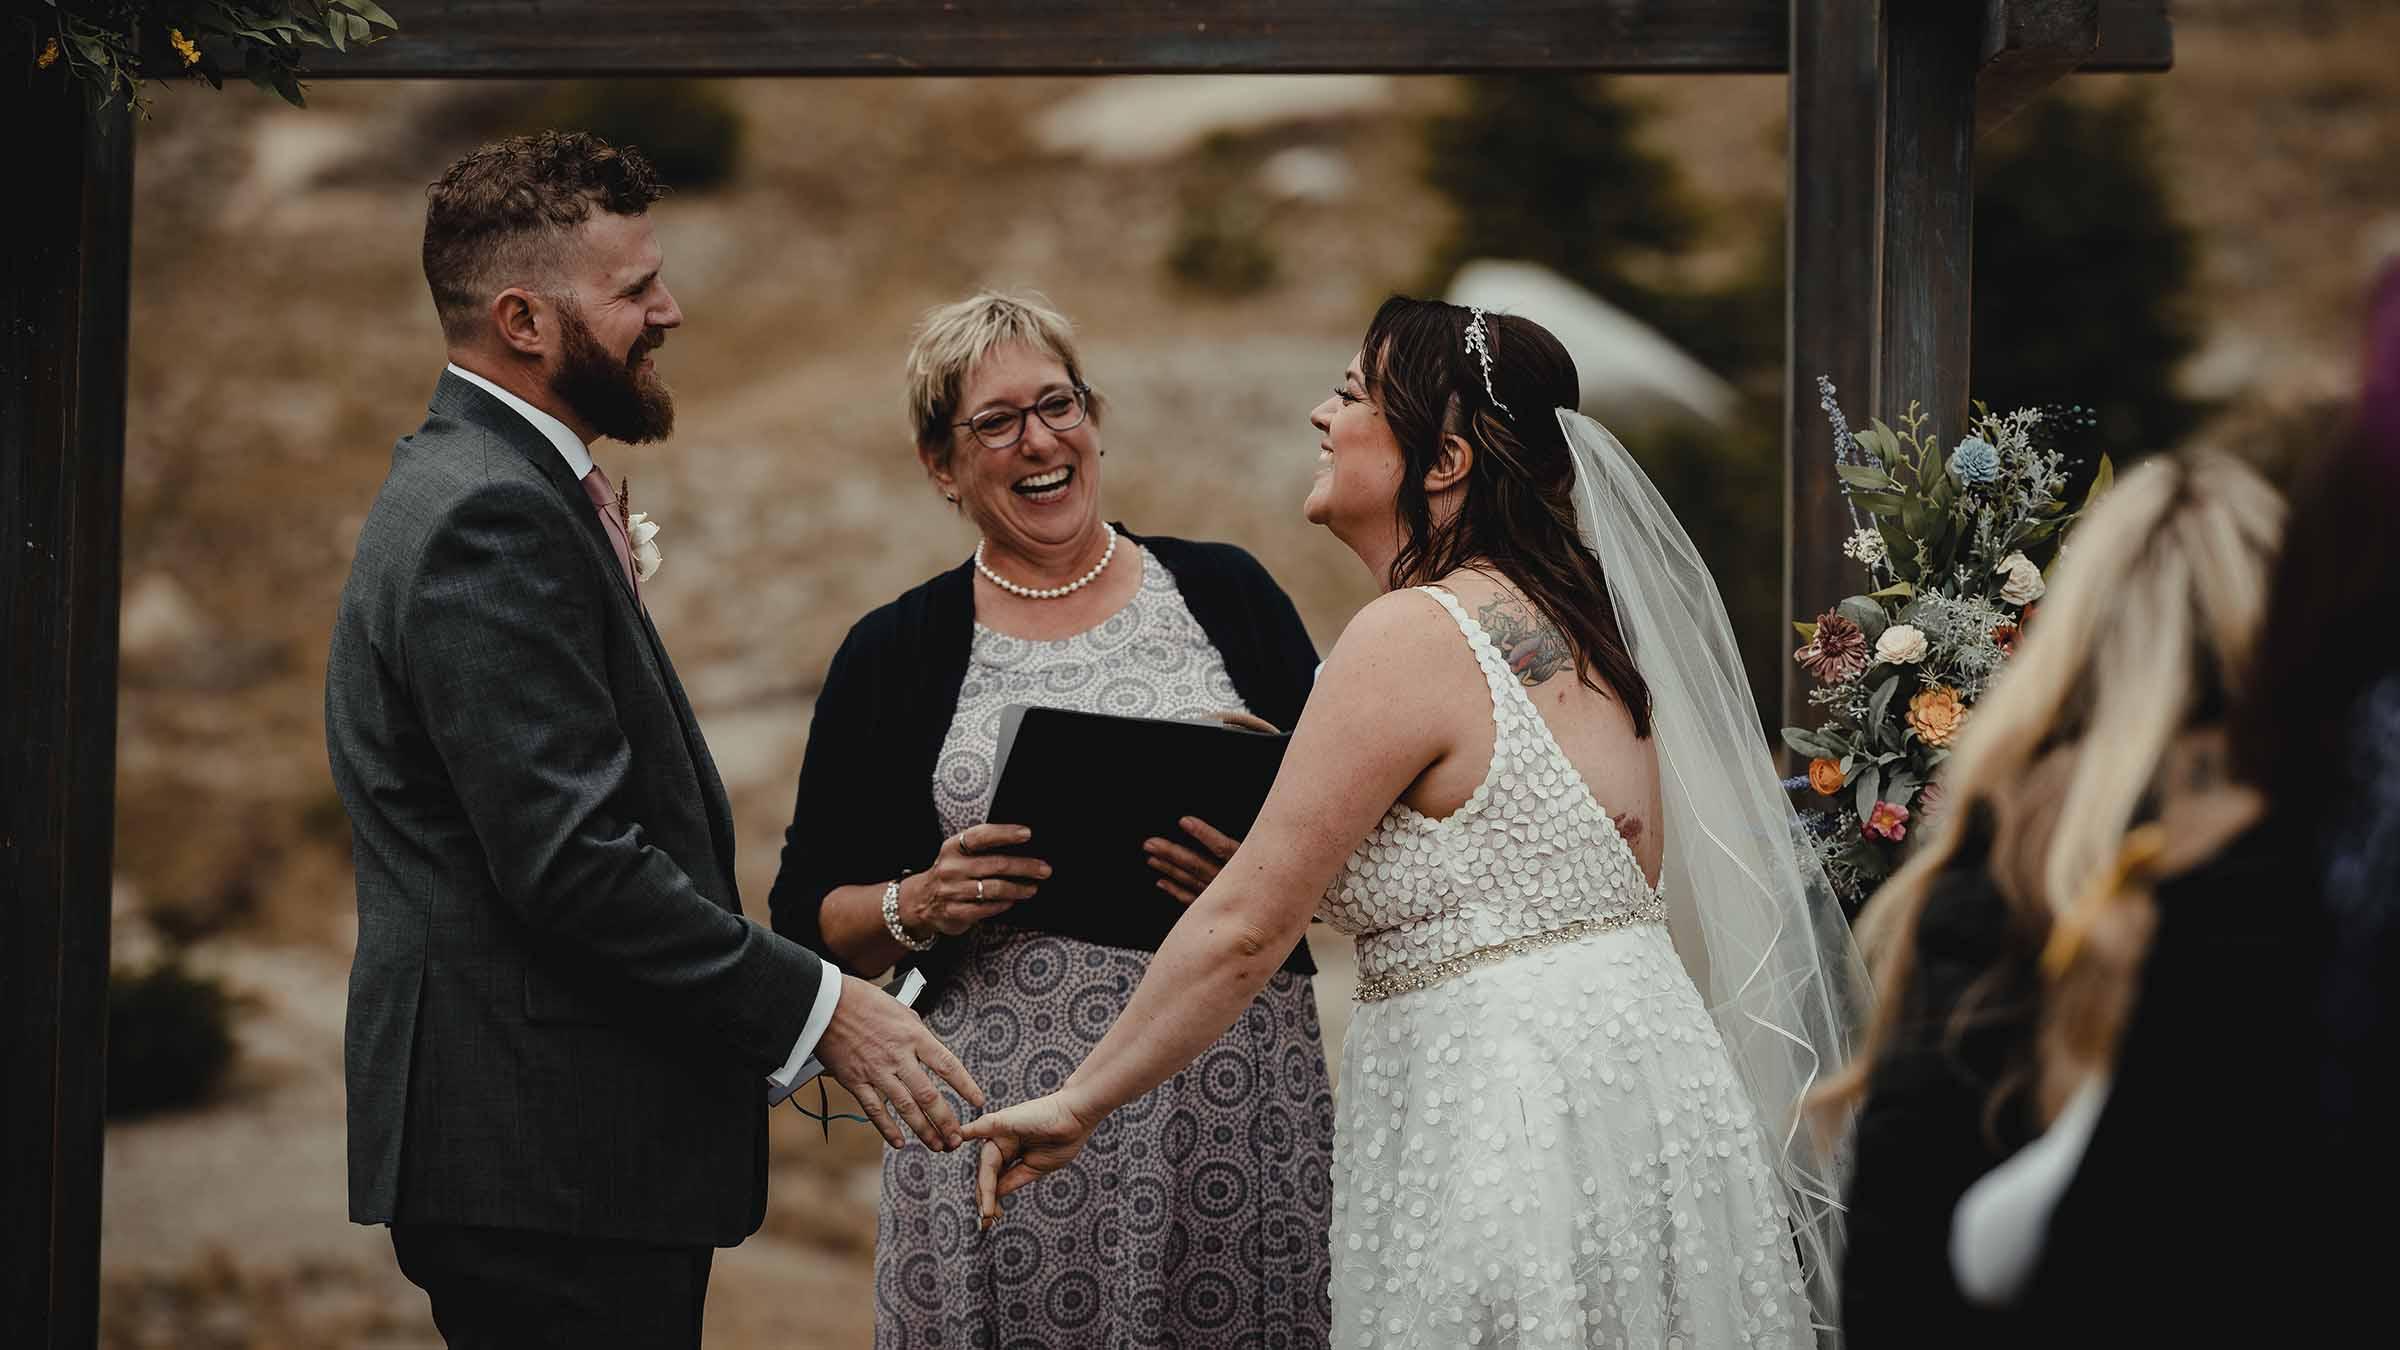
563, 1034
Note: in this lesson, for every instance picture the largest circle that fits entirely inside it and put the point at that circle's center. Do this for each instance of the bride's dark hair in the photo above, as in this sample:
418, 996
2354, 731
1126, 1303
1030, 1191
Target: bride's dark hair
1517, 517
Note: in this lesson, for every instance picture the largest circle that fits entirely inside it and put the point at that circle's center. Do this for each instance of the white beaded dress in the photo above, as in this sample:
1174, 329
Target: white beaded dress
1539, 1137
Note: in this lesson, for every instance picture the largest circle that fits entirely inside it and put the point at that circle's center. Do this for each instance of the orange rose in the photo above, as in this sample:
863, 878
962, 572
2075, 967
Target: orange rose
1935, 714
1825, 775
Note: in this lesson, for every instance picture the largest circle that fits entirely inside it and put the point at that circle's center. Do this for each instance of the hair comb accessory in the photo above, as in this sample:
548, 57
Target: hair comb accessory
1479, 342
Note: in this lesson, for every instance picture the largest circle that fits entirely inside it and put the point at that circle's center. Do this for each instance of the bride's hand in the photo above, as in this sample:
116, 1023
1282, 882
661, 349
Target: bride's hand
1023, 1144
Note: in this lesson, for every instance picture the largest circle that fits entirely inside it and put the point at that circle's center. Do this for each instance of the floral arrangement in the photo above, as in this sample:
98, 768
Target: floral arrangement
113, 45
1947, 541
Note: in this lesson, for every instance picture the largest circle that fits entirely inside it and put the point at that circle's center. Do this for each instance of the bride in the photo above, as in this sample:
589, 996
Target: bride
1597, 975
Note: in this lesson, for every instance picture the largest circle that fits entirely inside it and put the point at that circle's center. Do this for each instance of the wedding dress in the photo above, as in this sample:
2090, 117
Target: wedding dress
1571, 1103
1539, 1137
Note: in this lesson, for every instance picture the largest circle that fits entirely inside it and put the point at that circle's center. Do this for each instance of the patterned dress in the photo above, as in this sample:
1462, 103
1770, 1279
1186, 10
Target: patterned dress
1196, 1216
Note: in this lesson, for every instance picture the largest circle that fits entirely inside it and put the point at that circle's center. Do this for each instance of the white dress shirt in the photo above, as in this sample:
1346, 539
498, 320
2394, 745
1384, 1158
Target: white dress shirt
784, 1081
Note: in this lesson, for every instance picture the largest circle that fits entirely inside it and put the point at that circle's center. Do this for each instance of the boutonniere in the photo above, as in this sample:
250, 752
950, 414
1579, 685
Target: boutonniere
642, 531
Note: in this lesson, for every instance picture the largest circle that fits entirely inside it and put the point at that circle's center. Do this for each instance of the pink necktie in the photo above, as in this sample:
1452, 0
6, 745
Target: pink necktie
604, 498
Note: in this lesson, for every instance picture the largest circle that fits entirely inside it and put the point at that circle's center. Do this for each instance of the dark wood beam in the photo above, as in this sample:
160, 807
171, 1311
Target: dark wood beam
1931, 53
1830, 300
63, 317
2029, 45
585, 38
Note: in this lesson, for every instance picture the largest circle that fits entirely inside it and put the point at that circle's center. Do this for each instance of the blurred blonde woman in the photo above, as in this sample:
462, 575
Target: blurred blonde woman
2008, 948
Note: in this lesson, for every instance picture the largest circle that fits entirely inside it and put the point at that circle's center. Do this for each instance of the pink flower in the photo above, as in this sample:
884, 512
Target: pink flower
1889, 820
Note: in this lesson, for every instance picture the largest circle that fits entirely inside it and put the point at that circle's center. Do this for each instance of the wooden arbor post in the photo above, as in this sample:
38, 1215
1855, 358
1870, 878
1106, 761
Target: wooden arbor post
1873, 217
1886, 97
62, 442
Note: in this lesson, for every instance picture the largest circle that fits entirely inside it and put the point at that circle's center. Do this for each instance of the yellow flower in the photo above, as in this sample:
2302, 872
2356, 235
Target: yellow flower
183, 46
1935, 714
49, 56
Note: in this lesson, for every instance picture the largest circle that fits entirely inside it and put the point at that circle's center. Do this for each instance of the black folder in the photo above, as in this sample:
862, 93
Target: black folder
1093, 786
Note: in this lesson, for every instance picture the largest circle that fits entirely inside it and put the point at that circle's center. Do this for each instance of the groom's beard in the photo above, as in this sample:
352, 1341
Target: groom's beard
615, 398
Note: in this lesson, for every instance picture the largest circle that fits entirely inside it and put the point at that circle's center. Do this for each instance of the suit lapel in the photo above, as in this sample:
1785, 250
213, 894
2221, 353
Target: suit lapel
460, 399
704, 765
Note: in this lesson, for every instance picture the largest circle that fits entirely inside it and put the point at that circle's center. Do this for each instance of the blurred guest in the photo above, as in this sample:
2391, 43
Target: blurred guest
2268, 1023
2096, 766
890, 858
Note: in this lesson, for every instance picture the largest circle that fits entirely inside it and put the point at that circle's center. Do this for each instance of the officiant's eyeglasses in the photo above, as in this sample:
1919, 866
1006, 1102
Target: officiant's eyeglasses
1001, 428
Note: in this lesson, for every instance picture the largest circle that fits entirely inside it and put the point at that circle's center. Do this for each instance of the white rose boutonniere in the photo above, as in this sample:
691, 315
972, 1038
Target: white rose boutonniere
642, 531
1901, 645
2024, 584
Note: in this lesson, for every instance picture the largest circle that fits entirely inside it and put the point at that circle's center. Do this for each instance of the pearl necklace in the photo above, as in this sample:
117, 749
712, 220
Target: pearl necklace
1053, 592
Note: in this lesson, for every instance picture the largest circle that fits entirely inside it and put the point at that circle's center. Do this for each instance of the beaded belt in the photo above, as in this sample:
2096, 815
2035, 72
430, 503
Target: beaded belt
1373, 988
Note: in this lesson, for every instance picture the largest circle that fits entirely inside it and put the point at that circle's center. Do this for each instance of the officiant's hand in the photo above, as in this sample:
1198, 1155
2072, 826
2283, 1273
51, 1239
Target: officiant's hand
1023, 1144
969, 883
1185, 871
883, 1055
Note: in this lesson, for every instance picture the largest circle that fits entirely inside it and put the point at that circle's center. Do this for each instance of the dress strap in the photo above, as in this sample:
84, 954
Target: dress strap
1496, 673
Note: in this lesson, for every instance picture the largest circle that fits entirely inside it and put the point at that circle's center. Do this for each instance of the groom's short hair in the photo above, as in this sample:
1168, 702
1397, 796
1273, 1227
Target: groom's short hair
499, 217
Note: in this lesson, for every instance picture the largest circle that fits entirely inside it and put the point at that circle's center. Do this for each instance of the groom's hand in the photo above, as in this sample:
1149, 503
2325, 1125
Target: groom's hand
886, 1058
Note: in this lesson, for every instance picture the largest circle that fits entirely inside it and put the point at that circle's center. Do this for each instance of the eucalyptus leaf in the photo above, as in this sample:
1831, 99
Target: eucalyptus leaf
1864, 476
1804, 743
1881, 503
1807, 631
2101, 481
1899, 548
1898, 590
1868, 615
1880, 702
373, 12
1870, 791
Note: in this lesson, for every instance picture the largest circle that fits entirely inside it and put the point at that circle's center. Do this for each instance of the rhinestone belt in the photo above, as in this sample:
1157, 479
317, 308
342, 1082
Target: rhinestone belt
1374, 988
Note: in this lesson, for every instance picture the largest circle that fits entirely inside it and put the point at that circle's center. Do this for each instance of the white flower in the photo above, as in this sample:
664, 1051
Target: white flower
1901, 645
1867, 547
643, 531
2024, 584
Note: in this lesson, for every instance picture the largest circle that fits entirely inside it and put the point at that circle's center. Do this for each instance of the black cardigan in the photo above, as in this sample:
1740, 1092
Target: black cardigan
865, 808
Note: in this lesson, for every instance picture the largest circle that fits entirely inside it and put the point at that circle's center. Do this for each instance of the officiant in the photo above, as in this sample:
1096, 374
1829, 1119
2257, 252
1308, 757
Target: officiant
1199, 1214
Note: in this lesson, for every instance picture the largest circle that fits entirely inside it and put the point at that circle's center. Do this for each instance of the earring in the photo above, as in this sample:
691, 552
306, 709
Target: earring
950, 497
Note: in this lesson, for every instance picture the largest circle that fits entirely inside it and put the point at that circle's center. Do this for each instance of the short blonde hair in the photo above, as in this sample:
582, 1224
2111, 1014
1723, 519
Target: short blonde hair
952, 338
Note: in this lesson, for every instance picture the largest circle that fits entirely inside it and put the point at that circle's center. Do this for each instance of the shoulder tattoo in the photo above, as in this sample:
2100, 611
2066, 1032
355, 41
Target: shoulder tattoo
1533, 647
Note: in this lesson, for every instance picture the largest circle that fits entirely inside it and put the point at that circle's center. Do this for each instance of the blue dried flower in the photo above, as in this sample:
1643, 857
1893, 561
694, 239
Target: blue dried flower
1975, 462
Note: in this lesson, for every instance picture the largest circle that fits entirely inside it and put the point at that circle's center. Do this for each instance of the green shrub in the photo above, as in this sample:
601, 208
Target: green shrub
689, 130
1220, 245
170, 1038
1549, 169
2083, 273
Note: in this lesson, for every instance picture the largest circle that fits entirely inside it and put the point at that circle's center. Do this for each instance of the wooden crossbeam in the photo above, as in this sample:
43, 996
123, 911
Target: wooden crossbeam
575, 38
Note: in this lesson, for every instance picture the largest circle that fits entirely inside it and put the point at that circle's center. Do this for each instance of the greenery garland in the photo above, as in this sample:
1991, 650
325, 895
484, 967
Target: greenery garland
114, 45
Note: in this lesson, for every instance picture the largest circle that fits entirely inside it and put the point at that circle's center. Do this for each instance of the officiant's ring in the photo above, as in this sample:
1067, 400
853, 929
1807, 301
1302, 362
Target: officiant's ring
979, 890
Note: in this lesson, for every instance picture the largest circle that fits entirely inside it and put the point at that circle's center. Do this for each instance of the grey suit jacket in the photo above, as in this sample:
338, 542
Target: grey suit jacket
559, 1019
